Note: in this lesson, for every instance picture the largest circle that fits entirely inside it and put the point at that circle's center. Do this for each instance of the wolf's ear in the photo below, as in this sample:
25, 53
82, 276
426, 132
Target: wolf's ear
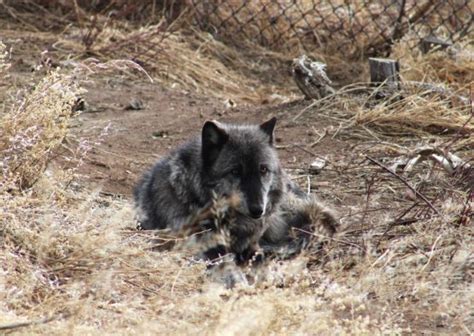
213, 138
268, 126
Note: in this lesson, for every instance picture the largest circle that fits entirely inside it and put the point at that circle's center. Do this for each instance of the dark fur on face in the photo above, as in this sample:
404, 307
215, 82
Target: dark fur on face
242, 160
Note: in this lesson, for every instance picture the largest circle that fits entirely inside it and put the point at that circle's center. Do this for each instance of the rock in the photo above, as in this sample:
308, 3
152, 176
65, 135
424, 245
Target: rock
135, 104
317, 166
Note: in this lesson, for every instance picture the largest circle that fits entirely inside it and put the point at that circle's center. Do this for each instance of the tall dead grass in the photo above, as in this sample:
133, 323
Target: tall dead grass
64, 255
192, 60
454, 66
35, 128
435, 97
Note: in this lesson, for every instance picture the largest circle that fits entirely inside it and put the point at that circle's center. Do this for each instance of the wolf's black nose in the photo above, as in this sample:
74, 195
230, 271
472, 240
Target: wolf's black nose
256, 211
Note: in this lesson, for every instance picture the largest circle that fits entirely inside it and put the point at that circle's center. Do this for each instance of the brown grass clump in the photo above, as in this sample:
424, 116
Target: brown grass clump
435, 97
453, 67
410, 112
71, 263
193, 60
35, 127
416, 113
200, 63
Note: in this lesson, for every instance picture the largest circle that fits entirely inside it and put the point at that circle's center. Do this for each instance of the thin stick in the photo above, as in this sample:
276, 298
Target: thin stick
319, 139
431, 252
25, 324
405, 182
311, 153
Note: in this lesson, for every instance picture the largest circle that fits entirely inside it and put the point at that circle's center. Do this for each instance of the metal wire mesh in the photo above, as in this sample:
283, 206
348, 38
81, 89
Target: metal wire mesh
350, 27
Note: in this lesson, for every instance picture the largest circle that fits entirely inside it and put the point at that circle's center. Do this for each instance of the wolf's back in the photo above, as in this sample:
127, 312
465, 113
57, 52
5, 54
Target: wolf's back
147, 198
166, 194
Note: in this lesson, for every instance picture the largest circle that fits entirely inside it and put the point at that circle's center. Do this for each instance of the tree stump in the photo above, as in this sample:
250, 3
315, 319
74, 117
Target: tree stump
384, 76
384, 71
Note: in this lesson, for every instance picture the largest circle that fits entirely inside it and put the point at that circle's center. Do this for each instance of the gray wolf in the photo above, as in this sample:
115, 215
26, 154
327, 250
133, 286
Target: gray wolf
235, 168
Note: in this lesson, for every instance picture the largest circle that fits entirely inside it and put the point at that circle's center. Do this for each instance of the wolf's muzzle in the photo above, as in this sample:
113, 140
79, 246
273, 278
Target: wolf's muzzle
256, 211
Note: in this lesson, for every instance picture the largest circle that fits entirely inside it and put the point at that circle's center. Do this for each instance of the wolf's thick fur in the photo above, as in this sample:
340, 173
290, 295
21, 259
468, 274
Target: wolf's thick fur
236, 162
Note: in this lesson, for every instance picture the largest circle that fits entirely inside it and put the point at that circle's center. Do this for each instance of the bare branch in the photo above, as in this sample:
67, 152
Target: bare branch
405, 182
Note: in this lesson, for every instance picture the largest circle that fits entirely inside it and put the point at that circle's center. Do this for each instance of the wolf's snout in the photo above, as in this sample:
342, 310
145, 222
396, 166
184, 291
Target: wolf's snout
256, 211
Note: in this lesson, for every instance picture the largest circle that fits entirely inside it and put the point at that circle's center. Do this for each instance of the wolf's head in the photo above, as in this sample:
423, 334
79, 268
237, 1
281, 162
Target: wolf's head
241, 159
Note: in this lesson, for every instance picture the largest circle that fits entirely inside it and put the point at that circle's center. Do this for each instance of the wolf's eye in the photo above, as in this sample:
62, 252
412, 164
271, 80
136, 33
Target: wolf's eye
263, 170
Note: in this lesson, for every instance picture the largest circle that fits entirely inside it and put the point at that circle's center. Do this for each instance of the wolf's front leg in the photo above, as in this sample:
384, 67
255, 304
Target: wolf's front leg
245, 233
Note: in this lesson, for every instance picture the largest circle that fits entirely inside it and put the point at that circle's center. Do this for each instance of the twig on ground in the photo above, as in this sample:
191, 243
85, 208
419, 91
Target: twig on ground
16, 325
312, 153
405, 182
467, 212
368, 184
321, 137
432, 252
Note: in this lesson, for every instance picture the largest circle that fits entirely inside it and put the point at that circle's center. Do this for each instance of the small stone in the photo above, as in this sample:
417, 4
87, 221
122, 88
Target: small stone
79, 105
316, 166
229, 103
160, 134
135, 104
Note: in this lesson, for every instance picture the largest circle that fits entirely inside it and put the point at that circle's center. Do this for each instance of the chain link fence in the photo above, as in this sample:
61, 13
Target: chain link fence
348, 27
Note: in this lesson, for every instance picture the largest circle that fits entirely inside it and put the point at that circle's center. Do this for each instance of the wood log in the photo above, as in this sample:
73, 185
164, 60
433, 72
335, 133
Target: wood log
311, 78
431, 42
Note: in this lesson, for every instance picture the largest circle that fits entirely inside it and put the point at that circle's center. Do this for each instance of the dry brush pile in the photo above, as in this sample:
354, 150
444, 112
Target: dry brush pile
72, 262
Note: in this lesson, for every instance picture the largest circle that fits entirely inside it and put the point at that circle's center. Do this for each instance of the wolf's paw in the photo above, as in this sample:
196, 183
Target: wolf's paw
329, 221
251, 256
228, 274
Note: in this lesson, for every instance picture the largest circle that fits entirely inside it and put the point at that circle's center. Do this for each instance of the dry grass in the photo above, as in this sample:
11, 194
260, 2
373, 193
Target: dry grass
184, 58
193, 60
35, 127
72, 263
453, 67
435, 97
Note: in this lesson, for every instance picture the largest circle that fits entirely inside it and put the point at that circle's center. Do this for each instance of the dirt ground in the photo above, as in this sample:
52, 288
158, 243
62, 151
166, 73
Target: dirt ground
131, 140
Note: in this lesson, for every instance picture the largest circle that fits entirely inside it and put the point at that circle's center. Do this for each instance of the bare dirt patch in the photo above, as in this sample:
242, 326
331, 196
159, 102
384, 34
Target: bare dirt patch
131, 140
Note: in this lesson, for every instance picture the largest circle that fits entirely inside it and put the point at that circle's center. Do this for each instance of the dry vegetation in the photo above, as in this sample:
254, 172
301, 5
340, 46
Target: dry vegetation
71, 261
